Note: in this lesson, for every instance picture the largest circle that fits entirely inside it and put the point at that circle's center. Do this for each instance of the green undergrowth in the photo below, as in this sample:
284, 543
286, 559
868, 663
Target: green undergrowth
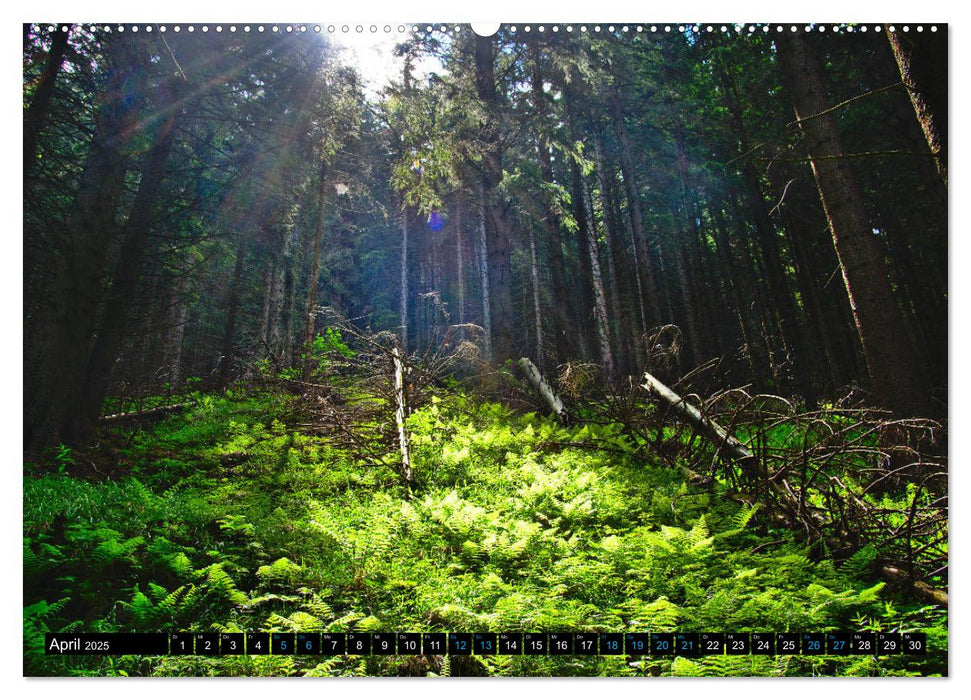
228, 518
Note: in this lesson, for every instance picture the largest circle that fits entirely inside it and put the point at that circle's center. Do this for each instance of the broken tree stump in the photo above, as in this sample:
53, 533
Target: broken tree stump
400, 413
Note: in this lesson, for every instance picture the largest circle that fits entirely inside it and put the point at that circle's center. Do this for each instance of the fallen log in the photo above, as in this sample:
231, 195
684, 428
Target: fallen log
536, 378
705, 426
146, 413
720, 437
920, 590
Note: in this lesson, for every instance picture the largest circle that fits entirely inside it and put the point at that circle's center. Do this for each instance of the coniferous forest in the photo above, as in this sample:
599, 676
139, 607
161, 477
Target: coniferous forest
587, 329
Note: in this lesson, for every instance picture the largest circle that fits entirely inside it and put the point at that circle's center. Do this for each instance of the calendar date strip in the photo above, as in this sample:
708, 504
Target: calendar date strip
688, 644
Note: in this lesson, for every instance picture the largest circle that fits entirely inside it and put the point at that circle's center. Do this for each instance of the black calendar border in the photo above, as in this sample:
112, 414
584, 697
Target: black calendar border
564, 643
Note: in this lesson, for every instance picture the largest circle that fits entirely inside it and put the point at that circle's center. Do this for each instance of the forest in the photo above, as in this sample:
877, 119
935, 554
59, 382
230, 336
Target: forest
588, 328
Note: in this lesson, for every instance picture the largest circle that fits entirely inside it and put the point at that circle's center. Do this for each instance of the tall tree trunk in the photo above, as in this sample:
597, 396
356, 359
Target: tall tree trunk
630, 319
754, 355
922, 60
609, 236
308, 345
403, 287
484, 282
692, 337
645, 264
56, 387
799, 235
537, 306
232, 311
177, 319
561, 301
460, 265
36, 112
894, 366
137, 231
600, 315
498, 238
779, 288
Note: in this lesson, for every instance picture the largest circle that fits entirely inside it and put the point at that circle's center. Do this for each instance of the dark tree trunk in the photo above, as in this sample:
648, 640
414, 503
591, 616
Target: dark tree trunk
459, 266
484, 284
56, 387
584, 322
752, 349
600, 314
311, 329
779, 288
646, 268
232, 311
498, 236
922, 60
36, 112
561, 301
404, 287
609, 238
894, 365
137, 231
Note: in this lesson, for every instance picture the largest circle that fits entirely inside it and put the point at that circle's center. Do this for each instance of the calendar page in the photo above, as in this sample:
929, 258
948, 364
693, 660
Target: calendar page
525, 349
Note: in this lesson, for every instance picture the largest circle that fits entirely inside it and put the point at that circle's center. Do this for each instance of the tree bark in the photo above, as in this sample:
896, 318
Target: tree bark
779, 287
137, 231
600, 315
56, 387
36, 113
537, 306
754, 353
308, 346
922, 60
232, 311
609, 237
459, 263
894, 366
536, 378
498, 238
561, 301
400, 413
403, 287
704, 425
484, 283
645, 263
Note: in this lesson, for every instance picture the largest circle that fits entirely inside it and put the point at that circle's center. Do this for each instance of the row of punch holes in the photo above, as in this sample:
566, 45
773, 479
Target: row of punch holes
617, 30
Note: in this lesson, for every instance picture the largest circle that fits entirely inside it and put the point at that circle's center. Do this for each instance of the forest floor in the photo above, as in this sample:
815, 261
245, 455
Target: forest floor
233, 515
